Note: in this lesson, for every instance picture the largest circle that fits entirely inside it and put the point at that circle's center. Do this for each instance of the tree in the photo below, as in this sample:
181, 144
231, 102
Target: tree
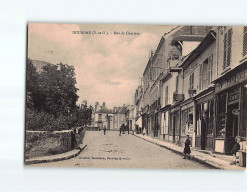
31, 83
56, 90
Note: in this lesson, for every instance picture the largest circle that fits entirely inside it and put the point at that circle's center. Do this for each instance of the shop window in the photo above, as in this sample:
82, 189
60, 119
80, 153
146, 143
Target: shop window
210, 117
244, 117
184, 121
227, 48
221, 115
187, 121
198, 120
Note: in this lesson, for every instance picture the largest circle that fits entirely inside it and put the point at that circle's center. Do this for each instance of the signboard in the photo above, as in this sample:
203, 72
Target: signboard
178, 97
231, 81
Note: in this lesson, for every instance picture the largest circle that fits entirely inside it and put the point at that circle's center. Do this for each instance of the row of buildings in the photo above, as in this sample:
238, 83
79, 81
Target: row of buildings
112, 119
195, 83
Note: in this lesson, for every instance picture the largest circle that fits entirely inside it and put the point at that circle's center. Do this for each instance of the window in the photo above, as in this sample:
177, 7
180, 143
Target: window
166, 96
205, 74
210, 69
227, 48
200, 77
177, 83
221, 115
100, 117
245, 41
192, 80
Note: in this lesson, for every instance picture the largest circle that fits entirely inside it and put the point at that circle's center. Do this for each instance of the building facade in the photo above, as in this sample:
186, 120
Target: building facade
112, 119
230, 87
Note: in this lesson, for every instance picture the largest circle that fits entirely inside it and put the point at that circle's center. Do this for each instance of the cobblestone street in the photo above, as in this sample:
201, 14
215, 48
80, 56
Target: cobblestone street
125, 151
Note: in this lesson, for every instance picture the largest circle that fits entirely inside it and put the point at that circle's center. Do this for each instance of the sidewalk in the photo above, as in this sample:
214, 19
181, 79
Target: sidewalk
217, 161
57, 157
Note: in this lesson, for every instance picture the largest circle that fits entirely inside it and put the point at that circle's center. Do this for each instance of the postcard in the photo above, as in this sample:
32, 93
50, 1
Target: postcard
136, 96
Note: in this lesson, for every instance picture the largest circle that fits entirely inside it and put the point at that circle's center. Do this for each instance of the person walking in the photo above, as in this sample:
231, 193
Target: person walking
187, 150
104, 130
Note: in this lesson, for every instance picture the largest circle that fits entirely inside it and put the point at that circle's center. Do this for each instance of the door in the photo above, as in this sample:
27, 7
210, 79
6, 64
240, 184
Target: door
232, 126
173, 128
203, 132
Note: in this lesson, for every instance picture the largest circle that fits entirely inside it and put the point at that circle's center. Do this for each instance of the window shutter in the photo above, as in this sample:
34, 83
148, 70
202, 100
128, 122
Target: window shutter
229, 42
192, 80
225, 48
200, 77
245, 41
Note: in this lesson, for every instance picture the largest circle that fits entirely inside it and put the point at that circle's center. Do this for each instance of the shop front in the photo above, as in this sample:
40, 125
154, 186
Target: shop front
165, 116
174, 131
187, 119
145, 119
205, 119
231, 108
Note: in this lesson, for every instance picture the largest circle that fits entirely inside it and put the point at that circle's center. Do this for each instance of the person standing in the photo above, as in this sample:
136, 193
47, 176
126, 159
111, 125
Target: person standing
104, 130
235, 149
187, 150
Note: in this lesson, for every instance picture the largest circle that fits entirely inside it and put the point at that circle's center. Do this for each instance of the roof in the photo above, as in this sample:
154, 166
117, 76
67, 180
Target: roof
208, 40
123, 110
188, 38
104, 110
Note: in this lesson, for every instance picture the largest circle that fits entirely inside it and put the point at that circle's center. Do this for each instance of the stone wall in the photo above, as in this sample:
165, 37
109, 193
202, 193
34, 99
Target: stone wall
44, 143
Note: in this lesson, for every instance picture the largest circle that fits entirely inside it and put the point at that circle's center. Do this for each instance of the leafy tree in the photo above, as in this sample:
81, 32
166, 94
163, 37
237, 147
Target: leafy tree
56, 90
51, 99
31, 83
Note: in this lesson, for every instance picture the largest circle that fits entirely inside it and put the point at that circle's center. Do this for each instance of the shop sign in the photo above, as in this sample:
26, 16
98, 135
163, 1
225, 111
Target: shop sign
232, 80
233, 95
178, 97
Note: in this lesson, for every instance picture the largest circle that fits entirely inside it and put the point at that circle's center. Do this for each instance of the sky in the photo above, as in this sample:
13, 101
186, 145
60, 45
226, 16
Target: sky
108, 66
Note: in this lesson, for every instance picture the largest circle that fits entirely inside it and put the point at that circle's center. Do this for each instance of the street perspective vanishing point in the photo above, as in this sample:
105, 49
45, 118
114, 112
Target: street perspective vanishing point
136, 96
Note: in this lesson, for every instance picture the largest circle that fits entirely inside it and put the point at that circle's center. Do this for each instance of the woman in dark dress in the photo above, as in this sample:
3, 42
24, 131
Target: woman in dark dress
187, 150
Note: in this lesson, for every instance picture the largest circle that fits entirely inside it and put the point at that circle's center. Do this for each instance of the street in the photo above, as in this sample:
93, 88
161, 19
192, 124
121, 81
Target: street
125, 151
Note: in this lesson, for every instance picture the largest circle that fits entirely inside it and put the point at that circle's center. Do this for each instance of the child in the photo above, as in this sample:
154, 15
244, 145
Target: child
187, 148
236, 148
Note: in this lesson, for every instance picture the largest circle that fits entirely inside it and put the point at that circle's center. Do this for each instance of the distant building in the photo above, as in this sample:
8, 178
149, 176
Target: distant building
102, 116
119, 116
112, 119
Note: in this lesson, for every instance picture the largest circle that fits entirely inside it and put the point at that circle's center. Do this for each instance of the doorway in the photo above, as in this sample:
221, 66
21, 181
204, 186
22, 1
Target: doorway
232, 126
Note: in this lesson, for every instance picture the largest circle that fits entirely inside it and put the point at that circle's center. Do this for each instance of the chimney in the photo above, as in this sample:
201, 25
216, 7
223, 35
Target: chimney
103, 104
96, 105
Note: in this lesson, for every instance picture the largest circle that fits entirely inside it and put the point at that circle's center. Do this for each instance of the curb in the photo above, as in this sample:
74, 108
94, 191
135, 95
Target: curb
47, 159
193, 158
